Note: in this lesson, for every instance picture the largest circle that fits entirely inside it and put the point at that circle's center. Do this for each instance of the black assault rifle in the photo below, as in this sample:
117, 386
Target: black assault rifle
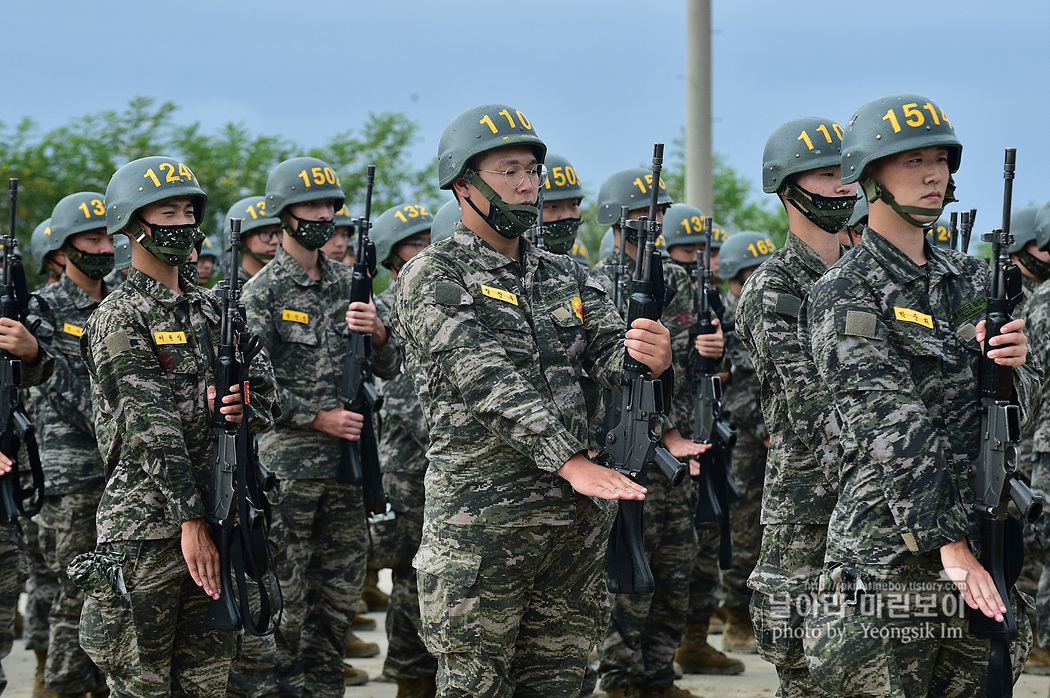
620, 274
14, 304
711, 423
634, 442
359, 460
994, 477
535, 234
236, 508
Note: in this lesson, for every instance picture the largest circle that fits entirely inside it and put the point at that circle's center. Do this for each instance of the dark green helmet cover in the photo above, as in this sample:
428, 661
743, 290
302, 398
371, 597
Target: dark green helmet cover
397, 224
444, 222
744, 250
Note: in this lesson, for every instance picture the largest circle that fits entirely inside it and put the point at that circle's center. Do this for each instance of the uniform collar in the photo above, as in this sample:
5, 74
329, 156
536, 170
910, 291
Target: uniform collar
76, 296
286, 264
902, 269
810, 259
483, 253
193, 294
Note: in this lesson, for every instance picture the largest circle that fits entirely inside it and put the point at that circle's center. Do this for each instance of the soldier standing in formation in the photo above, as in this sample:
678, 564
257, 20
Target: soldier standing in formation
261, 234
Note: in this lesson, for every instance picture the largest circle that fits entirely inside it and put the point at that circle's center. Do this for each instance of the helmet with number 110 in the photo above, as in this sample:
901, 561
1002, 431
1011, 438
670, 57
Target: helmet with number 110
742, 251
395, 225
891, 125
803, 145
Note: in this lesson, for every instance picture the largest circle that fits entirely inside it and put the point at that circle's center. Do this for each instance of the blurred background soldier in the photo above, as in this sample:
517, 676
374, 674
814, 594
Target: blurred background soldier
261, 234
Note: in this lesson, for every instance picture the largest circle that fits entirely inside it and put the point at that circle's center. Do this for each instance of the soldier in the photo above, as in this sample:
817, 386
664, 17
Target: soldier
207, 257
261, 234
43, 252
797, 497
399, 234
149, 350
444, 223
297, 305
502, 334
637, 654
894, 330
121, 261
14, 569
75, 475
339, 248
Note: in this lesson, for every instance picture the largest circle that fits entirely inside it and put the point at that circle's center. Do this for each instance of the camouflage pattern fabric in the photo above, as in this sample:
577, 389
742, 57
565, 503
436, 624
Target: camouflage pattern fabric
742, 397
798, 491
67, 529
1037, 548
14, 568
402, 449
1030, 576
472, 319
705, 580
896, 346
319, 528
1037, 328
114, 278
41, 589
646, 629
151, 641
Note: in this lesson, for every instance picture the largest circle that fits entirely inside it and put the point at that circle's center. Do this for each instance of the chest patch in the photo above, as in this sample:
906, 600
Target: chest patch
295, 316
72, 329
499, 294
170, 337
914, 316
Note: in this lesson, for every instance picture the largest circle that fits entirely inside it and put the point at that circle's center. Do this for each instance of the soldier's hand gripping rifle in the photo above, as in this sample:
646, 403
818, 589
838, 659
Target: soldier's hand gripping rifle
711, 423
634, 442
359, 460
236, 508
994, 477
14, 302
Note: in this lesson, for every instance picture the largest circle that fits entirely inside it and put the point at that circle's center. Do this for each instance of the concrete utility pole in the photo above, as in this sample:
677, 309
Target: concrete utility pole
699, 180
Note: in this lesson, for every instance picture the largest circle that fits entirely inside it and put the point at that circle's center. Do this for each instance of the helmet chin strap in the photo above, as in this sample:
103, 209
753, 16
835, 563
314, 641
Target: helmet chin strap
829, 213
509, 220
874, 191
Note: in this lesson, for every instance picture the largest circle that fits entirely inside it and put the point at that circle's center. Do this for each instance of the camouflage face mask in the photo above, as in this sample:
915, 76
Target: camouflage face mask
509, 220
190, 272
829, 213
93, 265
560, 235
1038, 267
310, 234
171, 244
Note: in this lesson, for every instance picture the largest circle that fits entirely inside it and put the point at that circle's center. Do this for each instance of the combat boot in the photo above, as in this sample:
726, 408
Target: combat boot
422, 687
739, 635
352, 676
20, 624
1038, 661
696, 656
376, 599
361, 622
673, 691
358, 648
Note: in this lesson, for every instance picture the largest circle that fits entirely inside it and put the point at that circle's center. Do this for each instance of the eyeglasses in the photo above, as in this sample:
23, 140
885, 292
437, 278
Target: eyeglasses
268, 235
515, 175
415, 241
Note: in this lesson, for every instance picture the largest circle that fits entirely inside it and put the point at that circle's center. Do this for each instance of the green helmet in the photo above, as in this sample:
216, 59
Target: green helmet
444, 222
121, 251
940, 234
1042, 227
684, 225
301, 179
1022, 228
146, 181
40, 243
891, 125
210, 247
631, 188
742, 251
479, 130
800, 145
76, 213
608, 244
860, 212
718, 235
562, 181
253, 214
396, 224
579, 253
343, 219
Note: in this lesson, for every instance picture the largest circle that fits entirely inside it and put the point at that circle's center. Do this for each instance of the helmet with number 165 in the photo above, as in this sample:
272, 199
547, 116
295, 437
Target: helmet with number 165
397, 224
479, 130
146, 181
742, 251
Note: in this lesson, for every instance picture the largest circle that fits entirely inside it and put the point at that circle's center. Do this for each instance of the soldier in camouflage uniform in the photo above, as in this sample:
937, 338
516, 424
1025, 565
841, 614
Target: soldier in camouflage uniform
515, 530
149, 348
42, 251
121, 261
895, 331
637, 655
797, 497
297, 305
261, 234
339, 248
399, 234
74, 475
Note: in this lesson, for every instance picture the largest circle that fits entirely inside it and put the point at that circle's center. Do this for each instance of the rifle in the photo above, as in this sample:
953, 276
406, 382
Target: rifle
967, 220
634, 442
236, 484
994, 478
535, 233
619, 272
711, 423
953, 230
14, 304
359, 460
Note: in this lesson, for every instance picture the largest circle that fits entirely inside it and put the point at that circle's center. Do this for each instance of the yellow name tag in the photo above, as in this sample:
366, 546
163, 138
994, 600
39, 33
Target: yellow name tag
72, 329
295, 316
170, 337
908, 315
499, 294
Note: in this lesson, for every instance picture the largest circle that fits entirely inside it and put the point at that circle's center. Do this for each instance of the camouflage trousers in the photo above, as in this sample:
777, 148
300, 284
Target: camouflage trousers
13, 572
156, 646
320, 542
906, 634
514, 610
745, 515
396, 543
646, 629
67, 529
1037, 552
41, 590
705, 579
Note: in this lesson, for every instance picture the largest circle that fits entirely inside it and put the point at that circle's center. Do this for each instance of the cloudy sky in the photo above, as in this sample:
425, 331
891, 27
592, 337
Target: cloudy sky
601, 80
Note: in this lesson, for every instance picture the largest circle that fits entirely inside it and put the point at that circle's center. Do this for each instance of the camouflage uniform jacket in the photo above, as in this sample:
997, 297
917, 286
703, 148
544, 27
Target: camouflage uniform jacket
503, 348
405, 438
742, 393
114, 278
797, 408
895, 344
151, 356
63, 406
302, 324
1037, 328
